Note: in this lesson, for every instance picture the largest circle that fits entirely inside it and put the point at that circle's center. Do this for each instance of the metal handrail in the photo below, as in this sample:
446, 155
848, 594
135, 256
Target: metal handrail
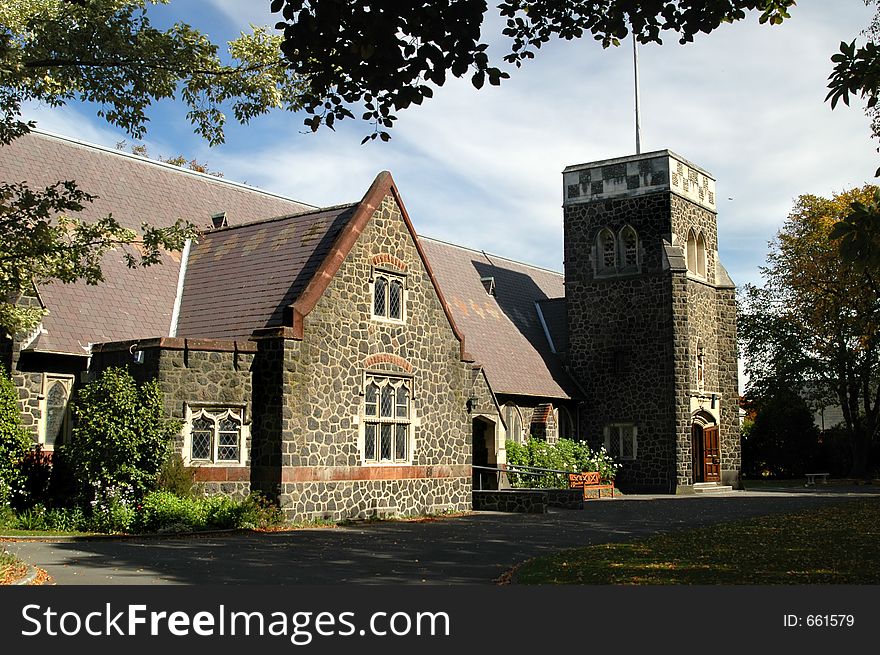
514, 469
537, 468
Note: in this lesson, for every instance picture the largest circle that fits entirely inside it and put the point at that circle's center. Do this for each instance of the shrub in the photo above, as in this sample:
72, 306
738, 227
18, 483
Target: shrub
260, 512
32, 519
162, 511
177, 478
564, 455
112, 509
66, 519
14, 446
36, 471
120, 440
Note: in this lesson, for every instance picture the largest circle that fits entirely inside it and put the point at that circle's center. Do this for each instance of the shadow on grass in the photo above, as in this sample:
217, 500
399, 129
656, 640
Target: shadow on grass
831, 545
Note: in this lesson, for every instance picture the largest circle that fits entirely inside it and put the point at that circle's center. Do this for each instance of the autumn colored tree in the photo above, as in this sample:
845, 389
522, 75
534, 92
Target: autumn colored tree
816, 320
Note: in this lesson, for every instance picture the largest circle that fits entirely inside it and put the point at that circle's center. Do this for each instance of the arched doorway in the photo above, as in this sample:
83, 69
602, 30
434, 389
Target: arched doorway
706, 448
485, 453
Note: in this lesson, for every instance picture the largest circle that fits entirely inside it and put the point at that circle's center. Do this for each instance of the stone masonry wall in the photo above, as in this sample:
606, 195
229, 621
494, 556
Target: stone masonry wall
27, 377
323, 474
621, 335
728, 384
704, 315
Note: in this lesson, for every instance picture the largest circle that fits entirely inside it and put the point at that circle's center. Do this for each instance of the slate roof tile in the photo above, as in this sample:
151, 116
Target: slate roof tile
242, 279
134, 189
502, 331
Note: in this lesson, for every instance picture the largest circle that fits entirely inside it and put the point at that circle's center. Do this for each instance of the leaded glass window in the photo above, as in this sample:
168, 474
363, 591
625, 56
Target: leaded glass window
388, 296
607, 251
395, 299
202, 438
629, 247
216, 436
620, 440
380, 293
55, 411
387, 415
513, 421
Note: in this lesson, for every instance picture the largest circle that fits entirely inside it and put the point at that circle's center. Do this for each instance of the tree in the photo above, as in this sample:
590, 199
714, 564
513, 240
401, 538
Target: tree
783, 441
383, 54
107, 52
121, 436
14, 444
857, 73
816, 321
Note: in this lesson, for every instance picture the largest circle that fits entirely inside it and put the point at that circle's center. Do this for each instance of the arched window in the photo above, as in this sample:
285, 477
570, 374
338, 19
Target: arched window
513, 421
692, 252
629, 248
55, 420
701, 255
607, 251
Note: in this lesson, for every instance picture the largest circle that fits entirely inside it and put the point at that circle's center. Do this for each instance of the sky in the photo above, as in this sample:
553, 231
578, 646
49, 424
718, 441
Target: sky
484, 168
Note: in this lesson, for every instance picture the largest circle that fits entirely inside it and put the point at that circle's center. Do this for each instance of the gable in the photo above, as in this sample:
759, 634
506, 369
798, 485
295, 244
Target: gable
383, 189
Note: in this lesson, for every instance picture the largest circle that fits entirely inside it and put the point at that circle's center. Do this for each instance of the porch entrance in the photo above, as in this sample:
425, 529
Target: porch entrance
485, 453
706, 448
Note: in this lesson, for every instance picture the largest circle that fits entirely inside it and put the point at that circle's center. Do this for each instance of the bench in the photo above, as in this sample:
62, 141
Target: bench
812, 477
588, 481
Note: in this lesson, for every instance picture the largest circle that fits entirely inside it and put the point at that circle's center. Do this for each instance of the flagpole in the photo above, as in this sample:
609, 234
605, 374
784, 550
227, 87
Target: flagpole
636, 75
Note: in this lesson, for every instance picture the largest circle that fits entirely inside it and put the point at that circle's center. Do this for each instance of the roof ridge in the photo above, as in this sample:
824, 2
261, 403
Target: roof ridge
282, 217
161, 164
489, 254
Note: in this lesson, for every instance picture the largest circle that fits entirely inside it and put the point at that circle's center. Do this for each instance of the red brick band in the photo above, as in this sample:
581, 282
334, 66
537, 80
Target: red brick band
390, 260
388, 358
353, 473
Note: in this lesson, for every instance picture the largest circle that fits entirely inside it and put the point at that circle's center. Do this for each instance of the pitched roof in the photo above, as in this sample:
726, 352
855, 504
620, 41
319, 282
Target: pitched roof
135, 190
271, 274
268, 272
242, 279
504, 331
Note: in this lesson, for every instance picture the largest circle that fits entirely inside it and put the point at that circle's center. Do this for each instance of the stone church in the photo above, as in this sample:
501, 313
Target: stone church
335, 360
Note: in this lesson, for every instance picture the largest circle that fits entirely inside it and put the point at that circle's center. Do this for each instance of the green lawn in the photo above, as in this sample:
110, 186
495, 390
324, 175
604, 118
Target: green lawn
835, 545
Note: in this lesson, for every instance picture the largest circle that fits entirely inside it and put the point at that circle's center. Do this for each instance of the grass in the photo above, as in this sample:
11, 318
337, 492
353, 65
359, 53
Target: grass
834, 545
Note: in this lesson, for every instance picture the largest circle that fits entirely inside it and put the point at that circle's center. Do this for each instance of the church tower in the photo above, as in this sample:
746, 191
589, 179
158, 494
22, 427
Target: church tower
651, 318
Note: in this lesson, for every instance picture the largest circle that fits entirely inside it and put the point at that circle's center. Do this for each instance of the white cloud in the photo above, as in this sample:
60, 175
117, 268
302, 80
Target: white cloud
484, 168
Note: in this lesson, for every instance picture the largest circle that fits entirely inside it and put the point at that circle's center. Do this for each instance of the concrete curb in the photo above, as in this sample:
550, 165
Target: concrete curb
115, 537
29, 578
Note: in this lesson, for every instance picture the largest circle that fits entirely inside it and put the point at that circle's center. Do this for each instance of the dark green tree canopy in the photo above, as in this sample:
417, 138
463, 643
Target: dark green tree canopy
383, 54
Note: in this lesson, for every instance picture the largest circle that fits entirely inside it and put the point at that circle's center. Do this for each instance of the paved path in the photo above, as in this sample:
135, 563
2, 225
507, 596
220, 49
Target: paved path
474, 549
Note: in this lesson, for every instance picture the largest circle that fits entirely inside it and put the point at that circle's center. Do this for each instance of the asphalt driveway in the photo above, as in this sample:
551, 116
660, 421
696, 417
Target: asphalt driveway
474, 549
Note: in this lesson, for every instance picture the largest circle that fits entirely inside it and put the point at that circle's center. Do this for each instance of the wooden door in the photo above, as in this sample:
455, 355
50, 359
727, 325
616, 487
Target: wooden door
711, 455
